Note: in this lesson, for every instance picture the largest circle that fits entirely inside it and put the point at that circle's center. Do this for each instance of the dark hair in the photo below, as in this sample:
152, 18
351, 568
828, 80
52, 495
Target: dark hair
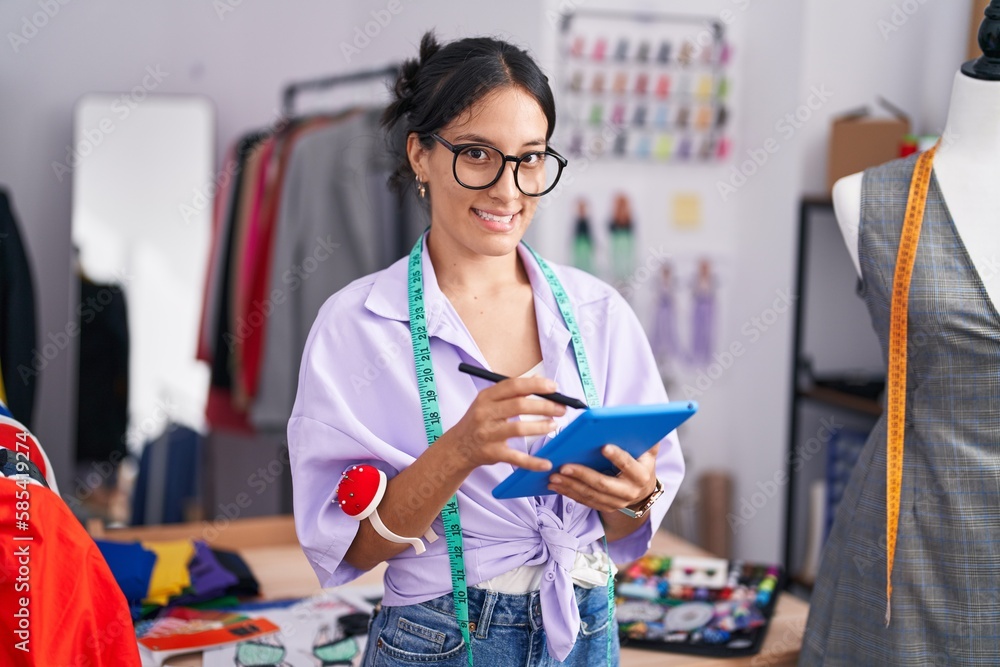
444, 81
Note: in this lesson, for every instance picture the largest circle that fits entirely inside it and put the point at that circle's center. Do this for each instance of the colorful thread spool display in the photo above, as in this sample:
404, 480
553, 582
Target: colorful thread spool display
657, 607
664, 92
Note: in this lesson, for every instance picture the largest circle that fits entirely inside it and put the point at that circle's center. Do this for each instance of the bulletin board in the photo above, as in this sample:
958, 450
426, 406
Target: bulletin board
648, 87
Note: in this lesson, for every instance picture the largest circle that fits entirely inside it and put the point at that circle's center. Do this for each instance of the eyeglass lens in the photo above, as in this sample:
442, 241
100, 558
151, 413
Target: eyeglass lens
479, 166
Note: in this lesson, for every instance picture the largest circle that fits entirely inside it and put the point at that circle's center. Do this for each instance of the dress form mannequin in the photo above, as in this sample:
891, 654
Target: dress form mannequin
967, 166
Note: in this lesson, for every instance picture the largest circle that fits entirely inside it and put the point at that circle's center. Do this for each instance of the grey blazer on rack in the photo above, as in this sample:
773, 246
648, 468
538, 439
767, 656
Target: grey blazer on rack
337, 222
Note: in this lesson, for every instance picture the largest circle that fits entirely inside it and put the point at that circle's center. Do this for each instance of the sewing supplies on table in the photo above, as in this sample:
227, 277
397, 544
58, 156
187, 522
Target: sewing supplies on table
701, 606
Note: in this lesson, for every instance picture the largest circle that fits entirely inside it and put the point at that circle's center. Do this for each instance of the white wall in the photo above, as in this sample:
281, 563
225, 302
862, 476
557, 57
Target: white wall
909, 56
241, 59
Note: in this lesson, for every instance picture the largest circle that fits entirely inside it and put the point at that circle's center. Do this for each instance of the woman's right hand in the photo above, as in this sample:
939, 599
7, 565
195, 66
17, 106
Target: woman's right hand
480, 436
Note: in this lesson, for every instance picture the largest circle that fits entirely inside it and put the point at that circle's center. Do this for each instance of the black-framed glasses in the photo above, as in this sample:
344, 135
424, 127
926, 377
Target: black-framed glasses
479, 166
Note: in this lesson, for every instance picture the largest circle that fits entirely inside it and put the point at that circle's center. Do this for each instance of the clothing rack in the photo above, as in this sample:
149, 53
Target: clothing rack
293, 89
387, 72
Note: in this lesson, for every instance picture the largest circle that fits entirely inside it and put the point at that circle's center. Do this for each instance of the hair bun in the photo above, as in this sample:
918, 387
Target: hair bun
428, 47
406, 81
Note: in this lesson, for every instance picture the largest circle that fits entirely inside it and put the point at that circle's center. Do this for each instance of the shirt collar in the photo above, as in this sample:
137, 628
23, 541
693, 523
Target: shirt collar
389, 298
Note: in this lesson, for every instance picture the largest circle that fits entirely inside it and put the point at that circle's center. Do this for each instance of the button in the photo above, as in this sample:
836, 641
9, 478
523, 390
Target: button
570, 505
472, 626
380, 643
550, 576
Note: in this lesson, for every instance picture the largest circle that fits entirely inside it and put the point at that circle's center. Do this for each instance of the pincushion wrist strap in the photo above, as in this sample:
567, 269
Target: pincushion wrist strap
415, 542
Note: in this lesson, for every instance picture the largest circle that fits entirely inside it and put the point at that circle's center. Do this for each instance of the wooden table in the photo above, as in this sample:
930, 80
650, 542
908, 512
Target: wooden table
271, 550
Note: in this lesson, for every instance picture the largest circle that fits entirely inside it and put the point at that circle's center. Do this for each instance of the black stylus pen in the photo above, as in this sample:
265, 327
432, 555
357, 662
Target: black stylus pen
496, 377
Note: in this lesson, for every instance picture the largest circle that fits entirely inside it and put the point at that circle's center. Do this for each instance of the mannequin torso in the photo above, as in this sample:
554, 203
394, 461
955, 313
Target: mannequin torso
967, 166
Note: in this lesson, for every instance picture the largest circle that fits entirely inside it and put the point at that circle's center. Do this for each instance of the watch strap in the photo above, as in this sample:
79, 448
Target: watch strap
639, 512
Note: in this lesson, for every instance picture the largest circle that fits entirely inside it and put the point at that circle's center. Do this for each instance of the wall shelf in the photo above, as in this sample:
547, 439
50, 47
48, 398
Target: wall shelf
837, 377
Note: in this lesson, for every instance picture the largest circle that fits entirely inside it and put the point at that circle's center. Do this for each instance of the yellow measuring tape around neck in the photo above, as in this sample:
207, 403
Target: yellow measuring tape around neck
896, 405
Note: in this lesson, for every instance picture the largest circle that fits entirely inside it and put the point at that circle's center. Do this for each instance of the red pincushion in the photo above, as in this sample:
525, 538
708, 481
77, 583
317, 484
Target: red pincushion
360, 490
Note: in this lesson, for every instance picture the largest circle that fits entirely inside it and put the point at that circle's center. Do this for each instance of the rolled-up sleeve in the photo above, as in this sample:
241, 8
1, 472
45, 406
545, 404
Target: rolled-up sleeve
319, 453
326, 435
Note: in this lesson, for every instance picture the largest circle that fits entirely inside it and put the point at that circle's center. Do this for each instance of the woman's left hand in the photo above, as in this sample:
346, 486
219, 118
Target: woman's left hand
605, 493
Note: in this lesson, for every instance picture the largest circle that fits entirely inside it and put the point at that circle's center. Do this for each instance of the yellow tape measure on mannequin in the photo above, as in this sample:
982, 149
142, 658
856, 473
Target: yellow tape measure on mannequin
896, 417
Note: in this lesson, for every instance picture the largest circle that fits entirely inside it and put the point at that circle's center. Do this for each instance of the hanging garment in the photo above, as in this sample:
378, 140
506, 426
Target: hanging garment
946, 576
702, 320
338, 221
219, 411
226, 182
252, 304
75, 612
18, 339
665, 341
102, 381
222, 263
169, 477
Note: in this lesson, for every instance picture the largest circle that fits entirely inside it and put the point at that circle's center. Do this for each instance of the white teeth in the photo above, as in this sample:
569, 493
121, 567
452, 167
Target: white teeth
494, 218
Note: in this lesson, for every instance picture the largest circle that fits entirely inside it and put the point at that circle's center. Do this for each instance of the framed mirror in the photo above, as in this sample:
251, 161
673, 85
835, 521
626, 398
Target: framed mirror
142, 171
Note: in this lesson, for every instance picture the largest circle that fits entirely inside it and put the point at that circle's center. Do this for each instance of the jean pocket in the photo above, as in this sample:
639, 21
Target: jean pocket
417, 635
593, 612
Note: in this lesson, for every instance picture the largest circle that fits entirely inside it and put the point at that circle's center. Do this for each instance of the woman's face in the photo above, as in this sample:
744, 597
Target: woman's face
487, 222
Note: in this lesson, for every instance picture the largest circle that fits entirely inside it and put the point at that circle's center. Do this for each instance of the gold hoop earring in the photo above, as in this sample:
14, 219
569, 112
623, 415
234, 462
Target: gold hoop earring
421, 188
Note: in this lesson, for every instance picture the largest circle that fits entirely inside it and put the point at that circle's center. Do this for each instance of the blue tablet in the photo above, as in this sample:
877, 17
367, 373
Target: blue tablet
634, 428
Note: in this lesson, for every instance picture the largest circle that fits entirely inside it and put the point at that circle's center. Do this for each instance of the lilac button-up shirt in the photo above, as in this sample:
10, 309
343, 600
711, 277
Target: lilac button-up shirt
357, 402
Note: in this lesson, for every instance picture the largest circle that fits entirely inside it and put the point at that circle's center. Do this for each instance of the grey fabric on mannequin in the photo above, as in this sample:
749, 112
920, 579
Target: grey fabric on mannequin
946, 578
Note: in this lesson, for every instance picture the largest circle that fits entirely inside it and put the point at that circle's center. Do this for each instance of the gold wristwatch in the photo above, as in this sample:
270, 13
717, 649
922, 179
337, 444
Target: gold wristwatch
644, 505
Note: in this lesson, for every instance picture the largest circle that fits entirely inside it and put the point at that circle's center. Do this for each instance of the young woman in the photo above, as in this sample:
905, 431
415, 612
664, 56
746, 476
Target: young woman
473, 120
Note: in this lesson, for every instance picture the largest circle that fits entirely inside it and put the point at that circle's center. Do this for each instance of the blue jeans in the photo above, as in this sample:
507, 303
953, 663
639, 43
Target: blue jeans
505, 629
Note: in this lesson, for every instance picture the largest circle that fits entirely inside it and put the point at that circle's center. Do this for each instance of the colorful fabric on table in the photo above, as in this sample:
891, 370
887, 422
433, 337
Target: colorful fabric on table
209, 579
246, 583
132, 566
170, 573
62, 605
